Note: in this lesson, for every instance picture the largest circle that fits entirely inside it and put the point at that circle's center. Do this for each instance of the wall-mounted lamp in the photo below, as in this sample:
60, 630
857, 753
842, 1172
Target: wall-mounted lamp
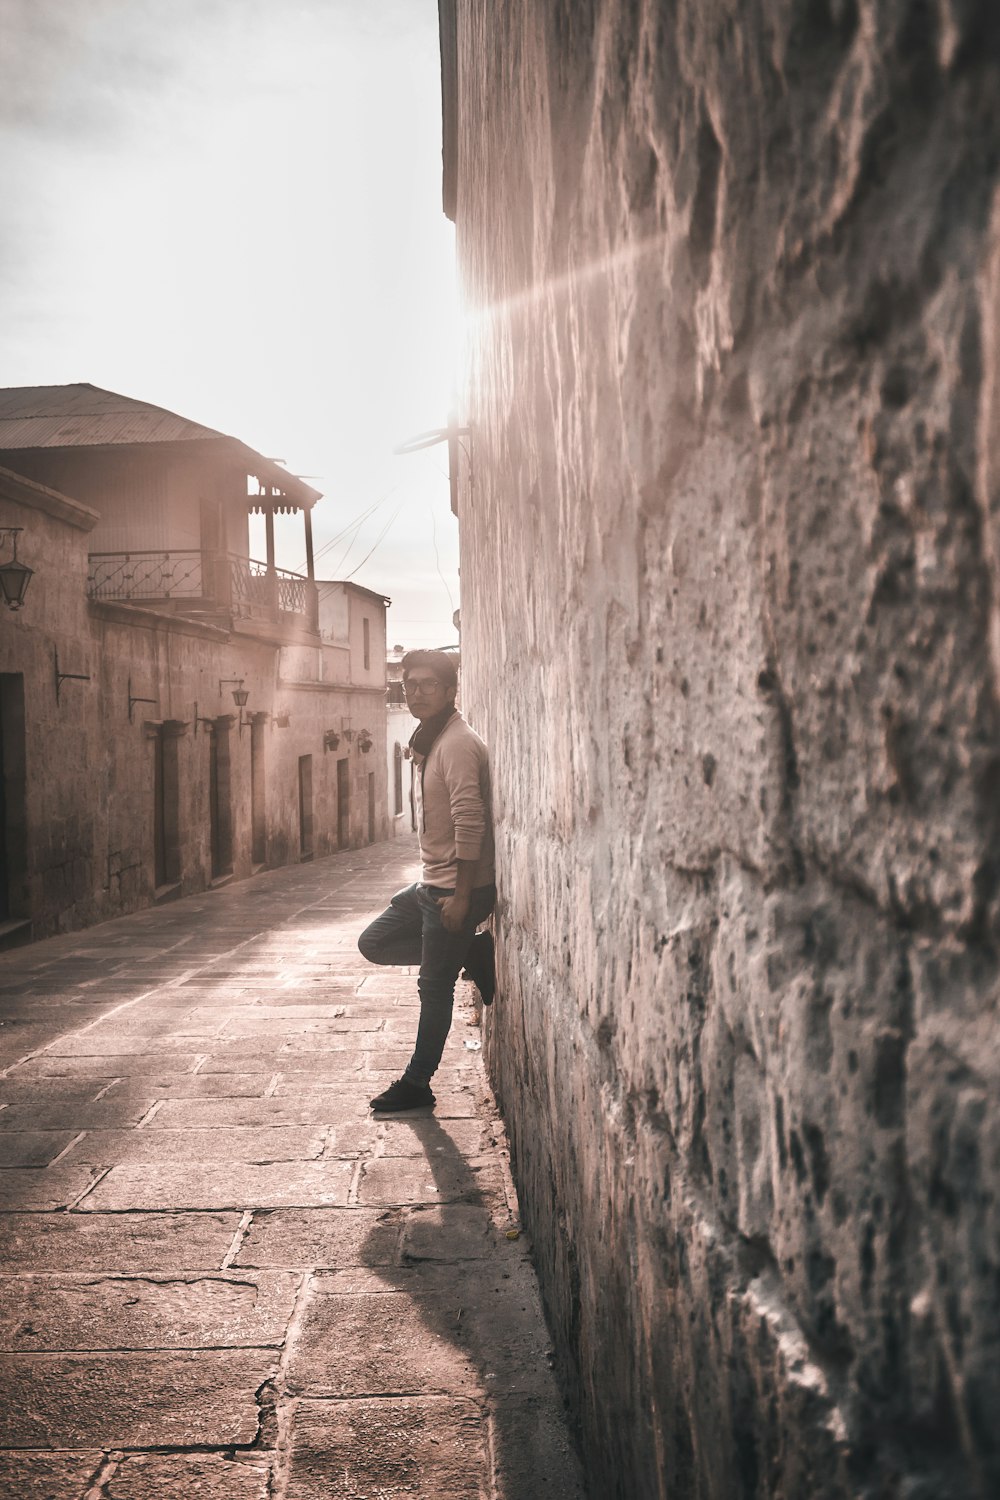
240, 693
346, 730
14, 575
331, 740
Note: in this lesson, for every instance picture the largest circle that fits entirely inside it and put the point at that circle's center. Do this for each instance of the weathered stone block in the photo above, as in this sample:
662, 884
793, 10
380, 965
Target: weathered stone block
324, 1108
379, 1343
32, 1148
130, 1400
233, 1185
75, 1312
45, 1476
209, 1476
44, 1189
322, 1238
399, 1180
266, 1144
106, 1242
424, 1447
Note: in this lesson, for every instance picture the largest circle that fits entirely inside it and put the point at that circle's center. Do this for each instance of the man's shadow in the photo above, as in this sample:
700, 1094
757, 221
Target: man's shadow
474, 1304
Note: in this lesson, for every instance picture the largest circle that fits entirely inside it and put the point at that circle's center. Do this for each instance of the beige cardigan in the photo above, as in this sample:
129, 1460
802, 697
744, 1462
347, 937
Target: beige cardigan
454, 818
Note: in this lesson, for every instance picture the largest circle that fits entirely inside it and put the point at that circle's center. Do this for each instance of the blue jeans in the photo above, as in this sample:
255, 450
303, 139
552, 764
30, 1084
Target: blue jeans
410, 931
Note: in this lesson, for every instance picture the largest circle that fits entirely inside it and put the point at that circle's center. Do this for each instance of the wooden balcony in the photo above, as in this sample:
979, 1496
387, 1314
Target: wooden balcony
205, 584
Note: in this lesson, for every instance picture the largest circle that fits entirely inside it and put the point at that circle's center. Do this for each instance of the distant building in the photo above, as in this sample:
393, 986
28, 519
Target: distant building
173, 712
400, 725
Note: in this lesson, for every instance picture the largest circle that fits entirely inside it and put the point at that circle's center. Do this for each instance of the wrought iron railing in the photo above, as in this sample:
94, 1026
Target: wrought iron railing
250, 588
145, 575
291, 592
255, 590
241, 586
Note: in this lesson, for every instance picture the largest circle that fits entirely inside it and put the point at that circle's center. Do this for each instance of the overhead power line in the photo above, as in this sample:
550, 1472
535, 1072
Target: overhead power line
351, 526
378, 539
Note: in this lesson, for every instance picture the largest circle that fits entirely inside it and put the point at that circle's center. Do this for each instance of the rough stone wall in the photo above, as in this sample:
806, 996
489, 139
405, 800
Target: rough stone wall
731, 576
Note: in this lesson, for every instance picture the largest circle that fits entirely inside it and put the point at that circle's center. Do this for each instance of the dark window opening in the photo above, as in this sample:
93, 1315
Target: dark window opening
13, 800
305, 806
258, 814
166, 809
366, 627
343, 805
220, 802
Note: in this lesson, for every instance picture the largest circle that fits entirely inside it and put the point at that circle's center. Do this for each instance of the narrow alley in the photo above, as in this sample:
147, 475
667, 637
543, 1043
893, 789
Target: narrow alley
220, 1275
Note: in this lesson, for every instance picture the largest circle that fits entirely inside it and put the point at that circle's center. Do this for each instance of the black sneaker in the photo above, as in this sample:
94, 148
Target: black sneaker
479, 966
403, 1095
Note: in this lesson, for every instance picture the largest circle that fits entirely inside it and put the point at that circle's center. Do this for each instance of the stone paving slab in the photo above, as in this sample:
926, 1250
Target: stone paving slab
288, 1020
192, 1086
352, 1054
294, 1013
48, 1476
20, 1037
455, 1308
132, 1400
104, 1048
118, 1065
158, 1147
333, 1041
377, 1344
232, 1280
194, 1476
137, 1242
449, 1232
69, 1313
72, 1115
321, 1108
33, 1148
431, 1137
403, 1179
232, 1185
18, 1088
422, 1448
321, 1238
44, 1189
264, 995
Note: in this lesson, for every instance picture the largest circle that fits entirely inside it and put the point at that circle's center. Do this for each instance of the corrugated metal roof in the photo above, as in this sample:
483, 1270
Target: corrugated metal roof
85, 416
77, 416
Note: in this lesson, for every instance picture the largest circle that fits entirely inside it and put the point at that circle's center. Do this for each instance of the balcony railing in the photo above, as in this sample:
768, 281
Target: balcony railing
251, 591
145, 575
291, 592
242, 587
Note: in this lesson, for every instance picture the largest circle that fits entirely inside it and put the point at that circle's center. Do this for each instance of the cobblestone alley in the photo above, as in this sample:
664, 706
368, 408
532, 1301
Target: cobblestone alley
221, 1277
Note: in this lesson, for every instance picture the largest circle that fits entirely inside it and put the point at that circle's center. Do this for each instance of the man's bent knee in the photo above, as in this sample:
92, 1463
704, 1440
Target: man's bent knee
369, 947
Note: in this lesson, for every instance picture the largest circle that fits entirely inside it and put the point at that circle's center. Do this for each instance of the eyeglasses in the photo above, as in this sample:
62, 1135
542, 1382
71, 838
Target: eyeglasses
423, 686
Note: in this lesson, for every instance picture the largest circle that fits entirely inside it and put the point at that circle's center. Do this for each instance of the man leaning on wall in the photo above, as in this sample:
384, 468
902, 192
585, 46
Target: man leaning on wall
433, 923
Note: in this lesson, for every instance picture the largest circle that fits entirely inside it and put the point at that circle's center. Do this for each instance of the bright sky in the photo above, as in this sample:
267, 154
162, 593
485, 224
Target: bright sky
232, 208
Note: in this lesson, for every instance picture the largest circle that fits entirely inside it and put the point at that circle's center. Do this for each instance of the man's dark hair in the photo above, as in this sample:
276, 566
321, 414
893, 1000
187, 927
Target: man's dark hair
443, 664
